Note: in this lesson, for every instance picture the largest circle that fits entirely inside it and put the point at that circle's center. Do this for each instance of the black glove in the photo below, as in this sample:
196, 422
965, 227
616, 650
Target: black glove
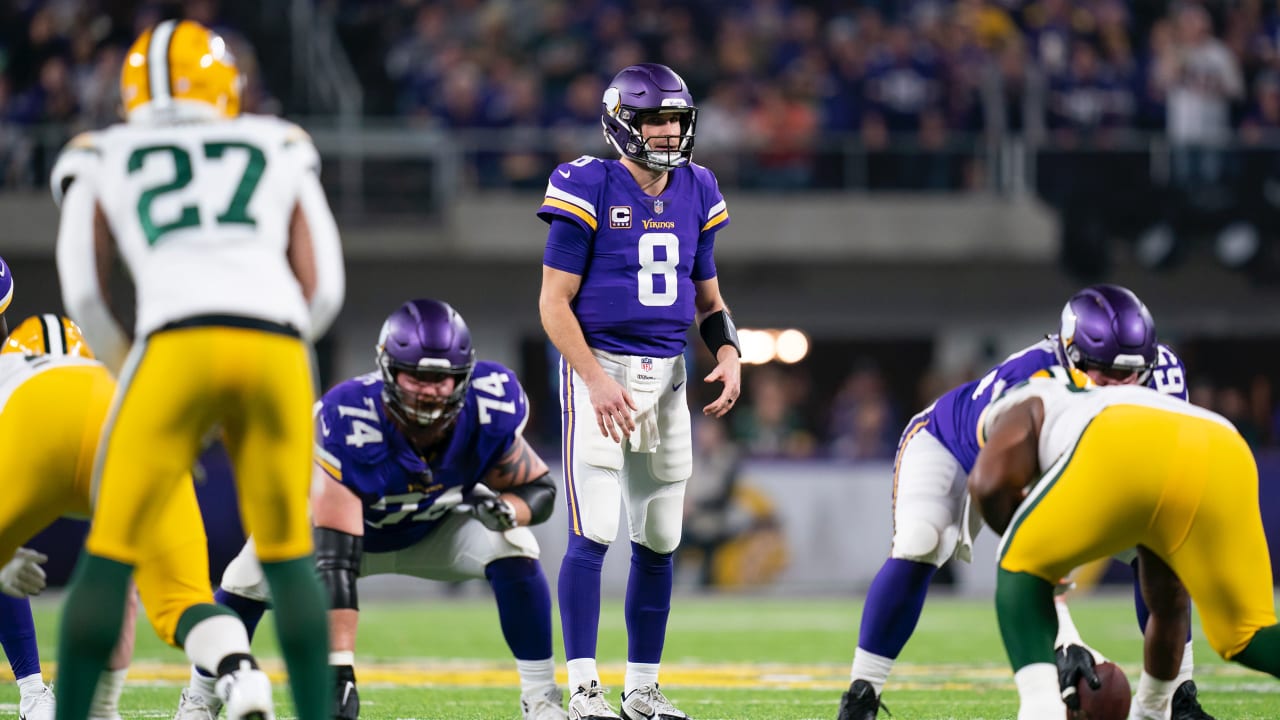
346, 701
1075, 662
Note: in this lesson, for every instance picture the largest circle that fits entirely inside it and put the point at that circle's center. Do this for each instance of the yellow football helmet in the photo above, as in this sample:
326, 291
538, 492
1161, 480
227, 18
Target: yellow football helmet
47, 334
180, 65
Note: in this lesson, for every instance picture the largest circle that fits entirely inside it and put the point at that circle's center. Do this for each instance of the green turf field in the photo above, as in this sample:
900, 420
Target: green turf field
727, 658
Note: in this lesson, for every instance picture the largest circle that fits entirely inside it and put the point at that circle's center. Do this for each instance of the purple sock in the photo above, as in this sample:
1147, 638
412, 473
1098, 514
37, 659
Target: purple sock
250, 611
648, 604
524, 606
894, 603
18, 636
579, 593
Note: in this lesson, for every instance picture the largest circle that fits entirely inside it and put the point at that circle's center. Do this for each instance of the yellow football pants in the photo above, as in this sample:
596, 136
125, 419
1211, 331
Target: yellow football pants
253, 385
1184, 487
49, 431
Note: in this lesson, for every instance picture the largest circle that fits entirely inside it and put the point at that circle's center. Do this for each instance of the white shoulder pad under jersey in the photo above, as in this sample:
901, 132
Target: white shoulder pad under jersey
79, 158
200, 213
1068, 409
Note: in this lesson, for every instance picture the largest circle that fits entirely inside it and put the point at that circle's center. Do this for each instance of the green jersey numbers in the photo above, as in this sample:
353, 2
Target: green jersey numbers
237, 210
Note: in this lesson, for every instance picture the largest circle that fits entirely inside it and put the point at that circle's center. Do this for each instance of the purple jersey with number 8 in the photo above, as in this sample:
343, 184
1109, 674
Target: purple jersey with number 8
640, 255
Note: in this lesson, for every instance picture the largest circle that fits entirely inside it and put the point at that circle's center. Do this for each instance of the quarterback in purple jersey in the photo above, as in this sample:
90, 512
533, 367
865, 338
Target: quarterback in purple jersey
628, 267
1105, 332
421, 469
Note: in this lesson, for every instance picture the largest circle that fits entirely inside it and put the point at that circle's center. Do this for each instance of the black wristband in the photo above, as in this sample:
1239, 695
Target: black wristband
718, 330
338, 564
539, 495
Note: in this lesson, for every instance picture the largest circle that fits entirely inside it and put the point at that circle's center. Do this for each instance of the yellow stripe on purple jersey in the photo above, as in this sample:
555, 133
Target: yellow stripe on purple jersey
718, 215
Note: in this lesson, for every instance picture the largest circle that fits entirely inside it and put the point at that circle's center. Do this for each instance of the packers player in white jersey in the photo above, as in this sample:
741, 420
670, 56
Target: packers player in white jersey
223, 226
1069, 474
54, 399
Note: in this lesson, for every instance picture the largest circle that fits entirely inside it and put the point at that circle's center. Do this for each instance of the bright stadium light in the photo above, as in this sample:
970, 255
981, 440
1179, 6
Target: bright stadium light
757, 346
792, 346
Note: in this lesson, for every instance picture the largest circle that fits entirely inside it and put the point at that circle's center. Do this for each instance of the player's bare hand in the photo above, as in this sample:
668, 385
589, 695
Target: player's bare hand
614, 408
728, 370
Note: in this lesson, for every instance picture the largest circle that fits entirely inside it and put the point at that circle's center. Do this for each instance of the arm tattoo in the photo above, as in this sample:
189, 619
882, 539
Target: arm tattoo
517, 467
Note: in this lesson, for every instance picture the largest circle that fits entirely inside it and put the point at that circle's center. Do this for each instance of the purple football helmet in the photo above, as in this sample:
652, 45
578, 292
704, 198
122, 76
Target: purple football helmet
640, 90
430, 340
1107, 327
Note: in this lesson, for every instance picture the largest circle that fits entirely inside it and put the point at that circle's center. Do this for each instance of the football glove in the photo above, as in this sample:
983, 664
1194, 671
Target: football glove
1075, 662
22, 576
346, 701
491, 510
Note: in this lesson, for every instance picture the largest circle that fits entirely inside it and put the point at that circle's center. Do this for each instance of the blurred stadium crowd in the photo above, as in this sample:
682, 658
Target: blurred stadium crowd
1140, 114
784, 79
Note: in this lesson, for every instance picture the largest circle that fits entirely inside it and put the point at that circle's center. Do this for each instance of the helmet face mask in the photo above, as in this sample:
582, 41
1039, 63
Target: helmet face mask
1107, 331
638, 93
423, 344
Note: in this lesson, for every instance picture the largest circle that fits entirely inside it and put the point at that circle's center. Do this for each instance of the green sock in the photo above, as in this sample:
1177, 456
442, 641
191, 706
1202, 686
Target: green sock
1028, 622
1262, 653
91, 619
302, 623
195, 615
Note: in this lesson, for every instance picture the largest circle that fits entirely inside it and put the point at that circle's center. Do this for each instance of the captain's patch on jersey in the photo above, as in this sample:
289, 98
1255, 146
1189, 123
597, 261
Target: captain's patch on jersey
620, 217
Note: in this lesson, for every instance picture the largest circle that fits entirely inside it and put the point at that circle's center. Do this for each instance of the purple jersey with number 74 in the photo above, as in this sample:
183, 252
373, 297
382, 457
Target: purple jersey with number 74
405, 496
640, 255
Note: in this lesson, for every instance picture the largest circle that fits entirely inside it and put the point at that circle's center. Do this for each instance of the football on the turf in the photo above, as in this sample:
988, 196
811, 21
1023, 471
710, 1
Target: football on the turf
1109, 702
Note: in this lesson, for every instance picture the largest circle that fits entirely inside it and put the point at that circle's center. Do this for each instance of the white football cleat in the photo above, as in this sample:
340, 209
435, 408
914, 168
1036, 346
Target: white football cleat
648, 703
195, 707
246, 693
40, 706
589, 702
548, 705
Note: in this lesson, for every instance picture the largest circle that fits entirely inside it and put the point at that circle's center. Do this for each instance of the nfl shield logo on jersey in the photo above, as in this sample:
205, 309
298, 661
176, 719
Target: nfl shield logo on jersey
657, 207
646, 364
